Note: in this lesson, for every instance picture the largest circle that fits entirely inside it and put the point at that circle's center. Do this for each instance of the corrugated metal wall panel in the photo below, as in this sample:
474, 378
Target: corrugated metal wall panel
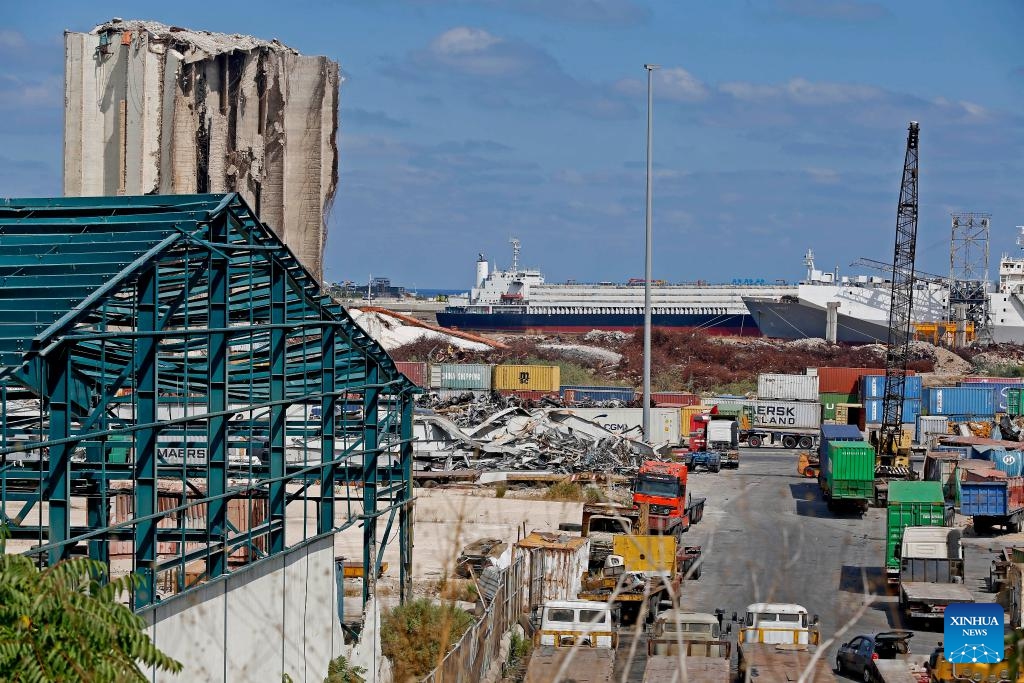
416, 372
787, 387
979, 401
539, 377
873, 386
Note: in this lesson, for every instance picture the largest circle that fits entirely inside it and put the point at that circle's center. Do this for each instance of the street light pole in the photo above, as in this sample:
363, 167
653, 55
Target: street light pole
647, 262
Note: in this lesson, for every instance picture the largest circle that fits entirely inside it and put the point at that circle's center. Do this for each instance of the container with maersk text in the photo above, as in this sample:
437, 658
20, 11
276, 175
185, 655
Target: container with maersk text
787, 414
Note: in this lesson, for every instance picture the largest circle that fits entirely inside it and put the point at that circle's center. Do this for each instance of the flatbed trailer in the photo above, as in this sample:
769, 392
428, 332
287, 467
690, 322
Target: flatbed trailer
782, 663
670, 668
779, 437
581, 664
921, 600
899, 670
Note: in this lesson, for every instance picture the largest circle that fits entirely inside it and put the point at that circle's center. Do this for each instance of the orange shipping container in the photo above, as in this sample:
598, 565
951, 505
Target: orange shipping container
527, 377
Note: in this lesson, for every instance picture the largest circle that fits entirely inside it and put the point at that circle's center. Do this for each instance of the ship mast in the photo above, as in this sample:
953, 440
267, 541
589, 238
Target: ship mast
514, 241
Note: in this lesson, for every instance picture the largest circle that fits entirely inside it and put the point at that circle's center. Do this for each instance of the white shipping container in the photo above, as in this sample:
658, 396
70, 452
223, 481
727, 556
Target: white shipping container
929, 426
783, 414
778, 387
665, 422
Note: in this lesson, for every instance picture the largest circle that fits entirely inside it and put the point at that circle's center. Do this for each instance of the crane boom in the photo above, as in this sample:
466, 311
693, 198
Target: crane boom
902, 302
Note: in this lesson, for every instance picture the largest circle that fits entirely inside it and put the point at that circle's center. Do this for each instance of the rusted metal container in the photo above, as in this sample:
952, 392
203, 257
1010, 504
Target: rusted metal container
675, 398
554, 565
417, 373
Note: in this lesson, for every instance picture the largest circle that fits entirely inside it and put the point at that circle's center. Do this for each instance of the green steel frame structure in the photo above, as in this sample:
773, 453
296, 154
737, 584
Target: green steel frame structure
175, 386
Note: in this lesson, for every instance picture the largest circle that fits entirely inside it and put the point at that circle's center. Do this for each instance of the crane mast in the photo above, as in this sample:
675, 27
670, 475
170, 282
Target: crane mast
901, 307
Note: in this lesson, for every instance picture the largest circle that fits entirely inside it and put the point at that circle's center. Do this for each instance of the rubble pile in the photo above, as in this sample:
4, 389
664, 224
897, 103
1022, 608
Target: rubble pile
517, 439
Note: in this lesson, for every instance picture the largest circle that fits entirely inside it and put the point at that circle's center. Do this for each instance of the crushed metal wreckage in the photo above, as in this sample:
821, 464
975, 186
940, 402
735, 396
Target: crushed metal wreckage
515, 439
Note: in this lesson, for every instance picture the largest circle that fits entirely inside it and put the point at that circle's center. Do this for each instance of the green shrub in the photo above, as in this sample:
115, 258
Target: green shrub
340, 671
592, 495
416, 636
564, 491
500, 490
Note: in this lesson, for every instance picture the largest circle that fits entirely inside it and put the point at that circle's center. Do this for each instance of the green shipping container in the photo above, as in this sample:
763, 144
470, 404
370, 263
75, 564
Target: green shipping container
850, 470
911, 503
1013, 401
830, 401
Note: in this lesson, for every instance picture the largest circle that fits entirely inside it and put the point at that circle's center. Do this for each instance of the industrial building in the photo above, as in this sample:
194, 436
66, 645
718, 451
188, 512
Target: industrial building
169, 372
156, 109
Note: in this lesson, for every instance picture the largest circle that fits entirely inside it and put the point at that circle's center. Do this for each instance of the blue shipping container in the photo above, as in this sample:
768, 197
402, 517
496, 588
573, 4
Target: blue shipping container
873, 386
989, 498
977, 401
998, 391
874, 408
836, 433
1011, 462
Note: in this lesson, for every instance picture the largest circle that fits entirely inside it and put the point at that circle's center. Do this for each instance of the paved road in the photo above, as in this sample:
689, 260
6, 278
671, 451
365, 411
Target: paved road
768, 537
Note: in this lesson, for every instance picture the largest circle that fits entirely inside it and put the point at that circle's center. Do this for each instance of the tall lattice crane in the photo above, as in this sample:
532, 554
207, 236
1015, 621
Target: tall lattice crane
890, 436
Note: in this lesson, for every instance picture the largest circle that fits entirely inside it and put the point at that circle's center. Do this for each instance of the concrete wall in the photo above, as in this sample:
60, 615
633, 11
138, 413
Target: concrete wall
155, 111
275, 617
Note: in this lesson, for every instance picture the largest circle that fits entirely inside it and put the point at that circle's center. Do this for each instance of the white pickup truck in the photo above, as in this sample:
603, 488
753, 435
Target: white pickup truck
574, 639
777, 643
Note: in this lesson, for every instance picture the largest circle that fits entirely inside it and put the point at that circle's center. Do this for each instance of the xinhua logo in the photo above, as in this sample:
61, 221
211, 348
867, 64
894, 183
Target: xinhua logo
973, 633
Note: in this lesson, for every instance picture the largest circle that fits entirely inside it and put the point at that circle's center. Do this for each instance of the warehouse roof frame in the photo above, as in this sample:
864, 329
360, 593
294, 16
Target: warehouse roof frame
162, 343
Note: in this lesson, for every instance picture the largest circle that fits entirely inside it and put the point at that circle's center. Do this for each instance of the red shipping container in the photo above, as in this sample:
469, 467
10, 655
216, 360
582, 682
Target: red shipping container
673, 399
416, 372
528, 394
845, 380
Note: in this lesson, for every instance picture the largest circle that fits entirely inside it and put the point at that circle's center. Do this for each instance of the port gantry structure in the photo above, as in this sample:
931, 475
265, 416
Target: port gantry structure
178, 398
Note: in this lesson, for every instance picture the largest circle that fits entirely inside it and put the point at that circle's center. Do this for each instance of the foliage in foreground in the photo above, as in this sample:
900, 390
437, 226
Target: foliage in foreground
64, 624
415, 636
340, 671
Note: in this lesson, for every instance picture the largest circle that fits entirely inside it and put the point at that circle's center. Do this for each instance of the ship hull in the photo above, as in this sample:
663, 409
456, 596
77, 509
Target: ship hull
581, 323
795, 320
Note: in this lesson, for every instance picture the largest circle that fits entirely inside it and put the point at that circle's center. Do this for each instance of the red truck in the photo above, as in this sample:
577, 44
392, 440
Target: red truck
662, 486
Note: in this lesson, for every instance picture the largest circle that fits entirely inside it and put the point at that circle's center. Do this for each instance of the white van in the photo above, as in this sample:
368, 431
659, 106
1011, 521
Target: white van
565, 623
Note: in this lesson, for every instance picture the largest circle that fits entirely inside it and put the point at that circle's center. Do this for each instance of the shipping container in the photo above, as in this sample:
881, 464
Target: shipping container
843, 380
538, 377
416, 372
461, 376
579, 394
875, 407
1010, 462
629, 421
686, 414
977, 401
829, 401
873, 386
996, 497
911, 503
850, 413
791, 414
830, 433
554, 566
992, 380
848, 470
1013, 402
529, 395
778, 387
941, 467
675, 398
930, 426
1000, 390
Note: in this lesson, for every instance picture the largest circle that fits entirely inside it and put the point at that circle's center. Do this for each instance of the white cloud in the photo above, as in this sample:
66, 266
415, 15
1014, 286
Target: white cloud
11, 40
463, 40
679, 84
823, 176
752, 92
802, 91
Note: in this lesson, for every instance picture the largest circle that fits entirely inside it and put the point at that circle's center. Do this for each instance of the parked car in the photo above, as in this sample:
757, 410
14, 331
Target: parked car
859, 655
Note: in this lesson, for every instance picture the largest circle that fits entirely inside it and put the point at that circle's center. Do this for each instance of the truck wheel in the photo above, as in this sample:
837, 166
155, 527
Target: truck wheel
806, 442
789, 441
754, 442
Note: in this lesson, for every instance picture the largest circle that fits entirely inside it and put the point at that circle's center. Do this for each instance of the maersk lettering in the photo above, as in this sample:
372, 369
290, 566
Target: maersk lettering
784, 416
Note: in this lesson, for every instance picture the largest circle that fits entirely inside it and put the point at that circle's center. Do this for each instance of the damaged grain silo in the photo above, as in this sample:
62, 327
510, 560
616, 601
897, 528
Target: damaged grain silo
155, 109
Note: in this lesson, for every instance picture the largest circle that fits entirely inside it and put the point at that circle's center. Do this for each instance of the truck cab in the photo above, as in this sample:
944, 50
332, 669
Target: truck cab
662, 486
567, 623
778, 623
699, 633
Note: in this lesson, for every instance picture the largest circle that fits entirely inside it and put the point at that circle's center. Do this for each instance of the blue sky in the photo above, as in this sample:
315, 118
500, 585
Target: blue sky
779, 125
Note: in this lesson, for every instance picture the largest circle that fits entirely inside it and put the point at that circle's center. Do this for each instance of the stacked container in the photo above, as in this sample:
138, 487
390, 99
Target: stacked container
931, 426
873, 386
527, 377
416, 372
831, 400
874, 408
778, 387
675, 398
911, 503
784, 414
1001, 389
976, 401
572, 394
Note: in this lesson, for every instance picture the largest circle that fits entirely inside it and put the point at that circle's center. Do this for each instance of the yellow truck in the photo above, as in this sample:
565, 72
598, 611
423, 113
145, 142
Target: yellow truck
574, 640
777, 643
941, 670
691, 640
640, 572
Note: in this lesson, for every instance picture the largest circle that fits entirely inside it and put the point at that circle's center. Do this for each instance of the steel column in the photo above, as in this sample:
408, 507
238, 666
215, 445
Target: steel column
278, 313
370, 440
405, 512
217, 304
58, 481
148, 300
328, 424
